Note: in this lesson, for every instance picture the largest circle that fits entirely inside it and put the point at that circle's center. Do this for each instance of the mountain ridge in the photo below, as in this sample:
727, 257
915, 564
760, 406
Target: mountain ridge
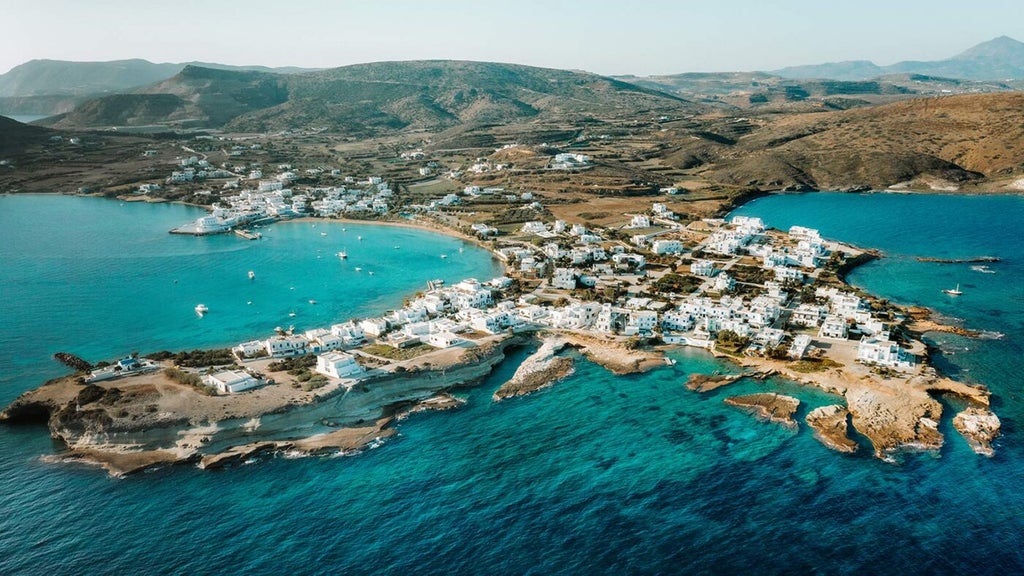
371, 98
1000, 58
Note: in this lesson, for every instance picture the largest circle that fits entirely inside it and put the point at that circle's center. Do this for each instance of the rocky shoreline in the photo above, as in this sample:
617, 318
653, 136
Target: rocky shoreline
138, 423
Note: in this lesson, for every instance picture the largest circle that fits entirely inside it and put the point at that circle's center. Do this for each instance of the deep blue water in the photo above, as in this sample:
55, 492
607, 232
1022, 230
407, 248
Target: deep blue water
598, 474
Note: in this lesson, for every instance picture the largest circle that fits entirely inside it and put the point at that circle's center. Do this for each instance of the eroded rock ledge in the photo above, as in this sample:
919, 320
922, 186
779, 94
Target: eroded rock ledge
980, 427
541, 369
769, 407
831, 427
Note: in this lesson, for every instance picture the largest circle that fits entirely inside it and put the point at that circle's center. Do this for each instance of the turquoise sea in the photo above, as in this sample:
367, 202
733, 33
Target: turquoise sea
596, 475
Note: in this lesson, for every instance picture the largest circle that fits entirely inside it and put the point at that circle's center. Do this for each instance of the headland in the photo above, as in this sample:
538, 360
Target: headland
773, 302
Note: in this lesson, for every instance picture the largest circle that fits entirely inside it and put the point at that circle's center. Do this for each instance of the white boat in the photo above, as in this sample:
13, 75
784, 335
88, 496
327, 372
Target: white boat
323, 233
360, 238
443, 256
291, 314
358, 269
311, 301
252, 275
370, 272
670, 361
954, 292
343, 255
201, 309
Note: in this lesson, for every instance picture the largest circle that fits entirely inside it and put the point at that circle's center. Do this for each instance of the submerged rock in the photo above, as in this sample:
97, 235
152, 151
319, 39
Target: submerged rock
709, 382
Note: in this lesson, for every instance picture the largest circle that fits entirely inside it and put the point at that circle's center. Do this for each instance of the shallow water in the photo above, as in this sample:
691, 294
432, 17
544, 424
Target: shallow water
597, 474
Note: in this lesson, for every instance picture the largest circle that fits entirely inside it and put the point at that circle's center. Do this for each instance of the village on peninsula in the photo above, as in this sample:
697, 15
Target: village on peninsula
774, 303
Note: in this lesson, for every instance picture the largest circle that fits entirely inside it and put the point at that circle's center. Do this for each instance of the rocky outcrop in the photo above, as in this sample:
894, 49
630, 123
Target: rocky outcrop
831, 427
613, 354
980, 427
709, 382
769, 407
895, 420
541, 369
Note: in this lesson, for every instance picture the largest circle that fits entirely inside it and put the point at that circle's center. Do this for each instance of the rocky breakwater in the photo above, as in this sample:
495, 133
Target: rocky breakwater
769, 407
541, 369
135, 423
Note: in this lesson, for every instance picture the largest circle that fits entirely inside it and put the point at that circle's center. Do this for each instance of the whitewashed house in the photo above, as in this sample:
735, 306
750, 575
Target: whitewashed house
666, 246
703, 268
834, 327
880, 352
337, 365
564, 278
287, 345
231, 381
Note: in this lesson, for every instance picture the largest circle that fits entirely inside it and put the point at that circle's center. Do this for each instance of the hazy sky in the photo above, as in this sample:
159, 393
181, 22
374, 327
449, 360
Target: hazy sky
625, 37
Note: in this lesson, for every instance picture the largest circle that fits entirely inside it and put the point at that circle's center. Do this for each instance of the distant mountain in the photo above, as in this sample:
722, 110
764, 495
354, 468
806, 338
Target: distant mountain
370, 98
75, 79
759, 89
1001, 58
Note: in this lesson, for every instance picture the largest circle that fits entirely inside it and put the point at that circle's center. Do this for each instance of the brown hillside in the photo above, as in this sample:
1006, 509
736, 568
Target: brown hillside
952, 139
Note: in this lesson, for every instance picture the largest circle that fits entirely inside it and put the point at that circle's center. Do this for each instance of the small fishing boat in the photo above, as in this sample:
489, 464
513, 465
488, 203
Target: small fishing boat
343, 255
323, 233
953, 292
443, 256
311, 301
201, 309
360, 238
358, 269
252, 275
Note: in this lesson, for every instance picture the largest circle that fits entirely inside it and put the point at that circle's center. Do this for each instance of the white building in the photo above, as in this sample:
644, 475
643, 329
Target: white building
374, 327
641, 322
703, 268
231, 381
799, 347
291, 345
639, 221
337, 365
564, 278
834, 327
667, 246
248, 349
808, 315
724, 283
880, 352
